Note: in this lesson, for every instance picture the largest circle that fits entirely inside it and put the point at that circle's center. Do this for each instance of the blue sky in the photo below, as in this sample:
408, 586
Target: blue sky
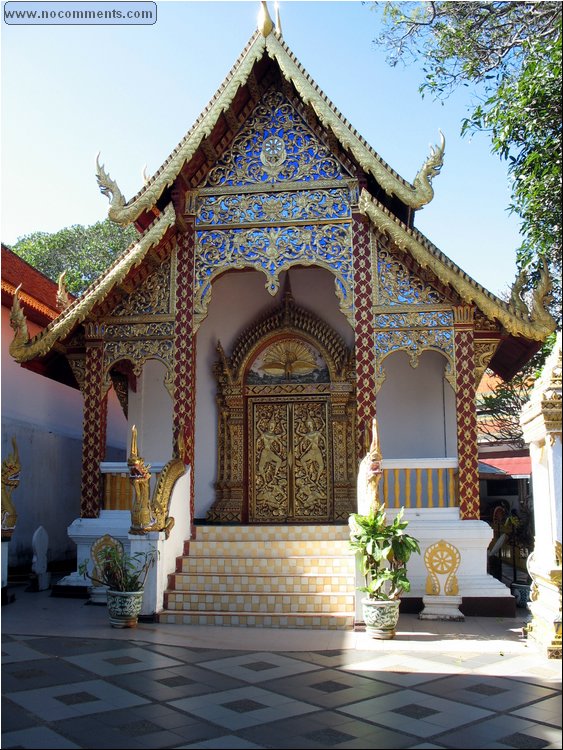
132, 92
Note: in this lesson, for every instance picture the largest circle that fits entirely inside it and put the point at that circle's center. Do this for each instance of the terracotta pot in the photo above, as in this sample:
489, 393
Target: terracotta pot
124, 608
381, 617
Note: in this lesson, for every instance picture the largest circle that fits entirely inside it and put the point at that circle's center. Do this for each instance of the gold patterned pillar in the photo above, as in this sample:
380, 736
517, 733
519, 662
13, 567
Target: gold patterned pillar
185, 351
94, 430
467, 449
363, 330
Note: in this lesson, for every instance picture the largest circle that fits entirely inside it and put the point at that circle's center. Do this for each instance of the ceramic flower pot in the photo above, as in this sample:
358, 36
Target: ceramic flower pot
124, 608
381, 617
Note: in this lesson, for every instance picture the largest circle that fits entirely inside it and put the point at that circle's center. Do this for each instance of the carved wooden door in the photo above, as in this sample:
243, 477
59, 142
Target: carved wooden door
289, 466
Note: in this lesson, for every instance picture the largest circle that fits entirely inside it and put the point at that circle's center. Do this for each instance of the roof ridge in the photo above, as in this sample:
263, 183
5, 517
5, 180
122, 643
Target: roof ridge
23, 349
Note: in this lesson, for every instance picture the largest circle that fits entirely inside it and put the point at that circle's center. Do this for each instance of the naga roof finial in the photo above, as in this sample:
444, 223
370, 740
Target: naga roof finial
265, 23
429, 170
63, 297
108, 186
18, 323
541, 298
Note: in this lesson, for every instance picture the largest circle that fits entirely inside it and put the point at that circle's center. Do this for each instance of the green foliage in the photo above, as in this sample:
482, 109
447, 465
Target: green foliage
119, 571
499, 412
384, 548
510, 54
83, 252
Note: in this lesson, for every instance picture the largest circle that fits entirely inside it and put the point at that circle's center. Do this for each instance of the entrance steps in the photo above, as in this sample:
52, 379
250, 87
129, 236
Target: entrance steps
286, 576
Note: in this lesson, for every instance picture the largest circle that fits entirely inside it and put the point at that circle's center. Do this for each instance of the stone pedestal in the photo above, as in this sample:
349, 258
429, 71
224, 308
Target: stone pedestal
7, 598
442, 608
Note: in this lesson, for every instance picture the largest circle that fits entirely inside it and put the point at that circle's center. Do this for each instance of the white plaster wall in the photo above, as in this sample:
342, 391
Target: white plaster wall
150, 410
238, 299
416, 408
45, 417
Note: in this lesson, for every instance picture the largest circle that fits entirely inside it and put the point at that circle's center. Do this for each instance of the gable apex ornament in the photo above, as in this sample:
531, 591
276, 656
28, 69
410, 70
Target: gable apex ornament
265, 23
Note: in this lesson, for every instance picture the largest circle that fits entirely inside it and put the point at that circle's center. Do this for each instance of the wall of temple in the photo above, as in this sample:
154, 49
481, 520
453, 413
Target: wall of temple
150, 410
416, 408
238, 299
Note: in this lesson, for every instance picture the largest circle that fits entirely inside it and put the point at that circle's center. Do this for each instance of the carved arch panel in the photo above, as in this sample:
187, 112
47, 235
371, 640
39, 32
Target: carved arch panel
286, 423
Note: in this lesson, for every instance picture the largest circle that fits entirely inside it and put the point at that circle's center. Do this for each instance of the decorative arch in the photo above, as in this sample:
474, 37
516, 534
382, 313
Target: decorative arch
305, 392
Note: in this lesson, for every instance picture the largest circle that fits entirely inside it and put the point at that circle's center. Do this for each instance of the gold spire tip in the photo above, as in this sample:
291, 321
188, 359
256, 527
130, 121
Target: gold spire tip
265, 23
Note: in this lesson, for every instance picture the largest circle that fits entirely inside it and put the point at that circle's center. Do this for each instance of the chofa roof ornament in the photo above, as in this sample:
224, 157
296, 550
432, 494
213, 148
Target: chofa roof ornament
110, 189
429, 170
265, 23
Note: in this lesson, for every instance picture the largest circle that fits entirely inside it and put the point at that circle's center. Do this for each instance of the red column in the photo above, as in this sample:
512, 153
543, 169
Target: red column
184, 351
363, 329
467, 449
94, 431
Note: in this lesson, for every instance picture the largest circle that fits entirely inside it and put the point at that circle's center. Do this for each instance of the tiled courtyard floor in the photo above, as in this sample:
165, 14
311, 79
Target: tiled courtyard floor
69, 680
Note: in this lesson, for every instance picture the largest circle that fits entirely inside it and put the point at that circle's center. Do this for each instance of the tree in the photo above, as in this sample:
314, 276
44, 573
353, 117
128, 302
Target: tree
510, 53
499, 412
83, 252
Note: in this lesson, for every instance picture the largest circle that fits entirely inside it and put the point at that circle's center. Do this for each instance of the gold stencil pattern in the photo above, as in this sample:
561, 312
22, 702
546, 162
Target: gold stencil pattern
442, 559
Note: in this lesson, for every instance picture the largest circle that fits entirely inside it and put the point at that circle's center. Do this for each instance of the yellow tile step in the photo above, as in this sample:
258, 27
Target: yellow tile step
270, 603
268, 548
266, 532
299, 584
295, 565
332, 621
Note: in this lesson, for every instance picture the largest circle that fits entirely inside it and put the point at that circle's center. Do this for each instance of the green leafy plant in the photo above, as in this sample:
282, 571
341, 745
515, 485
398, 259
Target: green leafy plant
385, 548
119, 571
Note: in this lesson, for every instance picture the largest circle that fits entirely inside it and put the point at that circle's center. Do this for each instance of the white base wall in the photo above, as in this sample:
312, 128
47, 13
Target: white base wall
471, 538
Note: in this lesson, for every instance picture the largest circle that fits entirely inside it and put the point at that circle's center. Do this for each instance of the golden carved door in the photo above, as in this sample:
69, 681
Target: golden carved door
289, 466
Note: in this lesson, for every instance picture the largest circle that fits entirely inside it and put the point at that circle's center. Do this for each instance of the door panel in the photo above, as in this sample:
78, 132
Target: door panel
289, 467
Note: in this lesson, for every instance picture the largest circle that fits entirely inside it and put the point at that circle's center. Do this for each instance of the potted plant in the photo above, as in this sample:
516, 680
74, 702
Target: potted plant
125, 576
384, 549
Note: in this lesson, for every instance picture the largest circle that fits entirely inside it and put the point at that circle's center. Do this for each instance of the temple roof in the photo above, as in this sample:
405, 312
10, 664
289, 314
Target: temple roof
156, 209
37, 292
262, 48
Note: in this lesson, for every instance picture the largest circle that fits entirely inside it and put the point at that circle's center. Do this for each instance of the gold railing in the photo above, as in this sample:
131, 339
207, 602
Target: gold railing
420, 483
117, 492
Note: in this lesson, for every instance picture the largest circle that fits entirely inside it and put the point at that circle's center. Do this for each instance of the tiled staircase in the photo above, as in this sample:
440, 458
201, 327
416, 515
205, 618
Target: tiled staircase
264, 576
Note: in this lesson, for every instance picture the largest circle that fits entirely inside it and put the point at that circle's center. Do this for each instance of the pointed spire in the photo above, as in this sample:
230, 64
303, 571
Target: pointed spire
265, 23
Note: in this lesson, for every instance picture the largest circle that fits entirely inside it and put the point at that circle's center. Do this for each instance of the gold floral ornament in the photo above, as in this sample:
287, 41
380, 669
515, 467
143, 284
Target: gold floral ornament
289, 358
10, 480
441, 559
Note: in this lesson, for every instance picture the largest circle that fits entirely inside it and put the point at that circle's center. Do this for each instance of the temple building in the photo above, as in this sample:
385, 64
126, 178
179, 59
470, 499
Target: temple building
277, 299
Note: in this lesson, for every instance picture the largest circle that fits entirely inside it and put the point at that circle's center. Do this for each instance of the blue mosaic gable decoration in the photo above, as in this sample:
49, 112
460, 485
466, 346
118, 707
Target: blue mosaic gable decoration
275, 146
277, 198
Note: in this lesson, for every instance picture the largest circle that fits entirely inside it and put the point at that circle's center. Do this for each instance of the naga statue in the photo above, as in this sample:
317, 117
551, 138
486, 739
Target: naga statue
151, 514
10, 480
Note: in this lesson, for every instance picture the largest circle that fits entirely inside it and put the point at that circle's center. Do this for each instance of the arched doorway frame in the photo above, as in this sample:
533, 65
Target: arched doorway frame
284, 322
